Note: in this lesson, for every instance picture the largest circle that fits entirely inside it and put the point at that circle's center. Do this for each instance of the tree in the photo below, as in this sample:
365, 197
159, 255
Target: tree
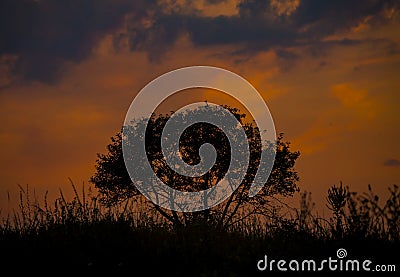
114, 184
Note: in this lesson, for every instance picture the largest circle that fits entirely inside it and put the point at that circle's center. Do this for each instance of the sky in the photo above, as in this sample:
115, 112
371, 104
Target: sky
328, 71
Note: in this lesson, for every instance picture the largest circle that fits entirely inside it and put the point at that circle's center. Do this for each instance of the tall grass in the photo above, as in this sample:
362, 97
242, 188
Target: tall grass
36, 216
353, 214
83, 232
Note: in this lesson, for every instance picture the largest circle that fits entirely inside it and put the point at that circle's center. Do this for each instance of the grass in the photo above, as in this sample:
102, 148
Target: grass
82, 235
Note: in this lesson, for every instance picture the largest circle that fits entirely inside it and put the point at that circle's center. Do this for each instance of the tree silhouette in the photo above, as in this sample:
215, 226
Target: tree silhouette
114, 183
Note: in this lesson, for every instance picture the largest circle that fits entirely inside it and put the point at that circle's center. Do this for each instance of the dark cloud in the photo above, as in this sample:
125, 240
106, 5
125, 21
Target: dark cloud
258, 27
215, 2
326, 17
392, 162
44, 34
225, 30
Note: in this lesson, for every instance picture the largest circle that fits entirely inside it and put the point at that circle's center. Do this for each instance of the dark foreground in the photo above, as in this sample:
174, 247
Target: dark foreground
118, 249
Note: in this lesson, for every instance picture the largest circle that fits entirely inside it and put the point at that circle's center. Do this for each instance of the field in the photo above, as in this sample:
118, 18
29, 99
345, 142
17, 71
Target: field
81, 235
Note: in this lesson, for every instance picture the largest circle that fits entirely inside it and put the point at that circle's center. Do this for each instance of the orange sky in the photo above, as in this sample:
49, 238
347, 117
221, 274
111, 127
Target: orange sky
336, 99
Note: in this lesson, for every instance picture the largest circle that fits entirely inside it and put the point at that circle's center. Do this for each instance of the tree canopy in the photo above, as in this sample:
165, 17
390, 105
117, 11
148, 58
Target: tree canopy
114, 183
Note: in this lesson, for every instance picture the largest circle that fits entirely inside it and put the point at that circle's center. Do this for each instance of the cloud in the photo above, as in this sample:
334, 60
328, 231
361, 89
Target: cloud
348, 96
285, 7
258, 25
392, 162
46, 35
354, 110
356, 100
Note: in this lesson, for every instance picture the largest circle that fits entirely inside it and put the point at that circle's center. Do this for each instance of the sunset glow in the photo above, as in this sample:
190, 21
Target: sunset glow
329, 72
